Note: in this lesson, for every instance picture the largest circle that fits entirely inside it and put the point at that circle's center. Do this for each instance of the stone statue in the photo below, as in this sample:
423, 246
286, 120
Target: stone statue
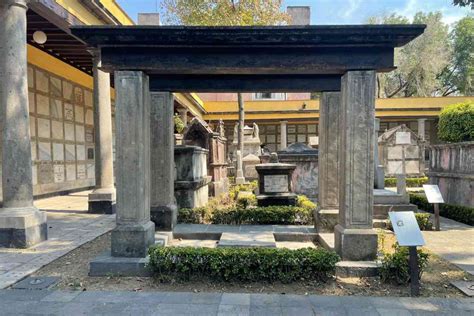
256, 131
236, 132
274, 158
221, 129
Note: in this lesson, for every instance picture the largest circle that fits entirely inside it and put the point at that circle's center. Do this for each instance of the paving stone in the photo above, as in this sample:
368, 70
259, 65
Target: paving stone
290, 300
233, 310
265, 310
330, 311
265, 299
295, 310
235, 299
393, 312
262, 239
206, 298
61, 296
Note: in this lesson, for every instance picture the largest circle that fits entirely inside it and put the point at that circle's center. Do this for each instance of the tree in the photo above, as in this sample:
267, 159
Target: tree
420, 62
464, 3
225, 13
458, 75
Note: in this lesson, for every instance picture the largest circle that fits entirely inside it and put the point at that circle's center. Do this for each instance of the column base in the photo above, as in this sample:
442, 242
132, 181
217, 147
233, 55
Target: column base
325, 220
22, 227
132, 240
164, 217
102, 201
355, 244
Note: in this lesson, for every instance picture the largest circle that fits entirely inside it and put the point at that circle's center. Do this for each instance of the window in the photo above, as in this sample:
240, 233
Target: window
269, 96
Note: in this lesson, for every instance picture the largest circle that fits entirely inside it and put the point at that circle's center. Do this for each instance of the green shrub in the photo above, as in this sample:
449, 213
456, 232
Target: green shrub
196, 215
235, 189
423, 220
458, 213
242, 264
269, 215
246, 199
303, 201
396, 268
178, 124
456, 122
411, 182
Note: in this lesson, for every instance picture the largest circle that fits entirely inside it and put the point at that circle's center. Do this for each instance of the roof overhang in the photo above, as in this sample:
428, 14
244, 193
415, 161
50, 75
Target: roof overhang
247, 58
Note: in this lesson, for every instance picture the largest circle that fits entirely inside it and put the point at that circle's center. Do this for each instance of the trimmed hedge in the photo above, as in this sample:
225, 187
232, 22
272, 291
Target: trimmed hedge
456, 123
423, 220
270, 215
242, 264
411, 182
458, 213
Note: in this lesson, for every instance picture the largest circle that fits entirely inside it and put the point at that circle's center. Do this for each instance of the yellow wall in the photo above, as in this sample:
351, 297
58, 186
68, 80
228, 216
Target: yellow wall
394, 107
117, 12
85, 16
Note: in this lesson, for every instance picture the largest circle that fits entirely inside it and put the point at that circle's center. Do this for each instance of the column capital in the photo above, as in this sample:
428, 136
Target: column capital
18, 3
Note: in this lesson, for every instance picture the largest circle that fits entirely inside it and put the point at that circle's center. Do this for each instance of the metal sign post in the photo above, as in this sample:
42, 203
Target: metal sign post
433, 195
408, 234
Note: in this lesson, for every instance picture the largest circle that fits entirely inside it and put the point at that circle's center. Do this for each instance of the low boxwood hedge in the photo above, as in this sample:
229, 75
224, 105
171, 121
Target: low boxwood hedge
411, 182
456, 122
242, 264
269, 215
458, 213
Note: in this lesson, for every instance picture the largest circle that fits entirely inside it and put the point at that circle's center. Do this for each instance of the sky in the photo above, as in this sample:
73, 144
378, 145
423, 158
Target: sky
340, 11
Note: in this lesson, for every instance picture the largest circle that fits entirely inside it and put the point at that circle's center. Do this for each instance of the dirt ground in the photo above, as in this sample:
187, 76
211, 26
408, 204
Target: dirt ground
73, 270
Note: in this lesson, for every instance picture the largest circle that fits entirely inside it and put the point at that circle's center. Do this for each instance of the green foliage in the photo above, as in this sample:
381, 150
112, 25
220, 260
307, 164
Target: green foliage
178, 124
411, 182
304, 202
396, 268
246, 199
242, 264
269, 215
423, 220
456, 122
235, 189
458, 213
464, 3
224, 12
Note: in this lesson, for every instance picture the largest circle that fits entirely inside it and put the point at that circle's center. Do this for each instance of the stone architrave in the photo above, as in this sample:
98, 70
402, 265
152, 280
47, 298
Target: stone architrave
283, 136
330, 129
102, 199
163, 204
355, 239
134, 232
21, 223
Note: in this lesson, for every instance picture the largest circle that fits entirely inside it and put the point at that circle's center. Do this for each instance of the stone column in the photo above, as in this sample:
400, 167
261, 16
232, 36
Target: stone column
421, 128
134, 232
283, 137
21, 223
378, 169
239, 178
163, 204
327, 214
102, 199
183, 113
355, 240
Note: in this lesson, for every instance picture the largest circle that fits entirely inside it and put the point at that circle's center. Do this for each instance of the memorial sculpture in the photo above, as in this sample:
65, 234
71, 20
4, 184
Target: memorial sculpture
251, 151
275, 183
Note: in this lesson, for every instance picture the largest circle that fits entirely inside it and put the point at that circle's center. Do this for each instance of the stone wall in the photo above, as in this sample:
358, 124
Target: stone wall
452, 169
62, 133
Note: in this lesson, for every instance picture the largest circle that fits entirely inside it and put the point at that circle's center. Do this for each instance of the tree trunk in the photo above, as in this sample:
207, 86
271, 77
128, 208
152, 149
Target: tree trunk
240, 144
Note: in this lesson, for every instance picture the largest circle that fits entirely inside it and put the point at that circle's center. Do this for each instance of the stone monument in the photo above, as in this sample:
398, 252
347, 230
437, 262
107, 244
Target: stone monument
274, 183
251, 151
305, 176
191, 187
199, 133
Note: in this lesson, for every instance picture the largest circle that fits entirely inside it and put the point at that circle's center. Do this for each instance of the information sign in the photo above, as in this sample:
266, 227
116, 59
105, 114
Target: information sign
406, 229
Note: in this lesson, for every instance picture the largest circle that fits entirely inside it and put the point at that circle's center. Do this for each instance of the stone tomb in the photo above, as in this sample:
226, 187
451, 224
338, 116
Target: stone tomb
199, 133
191, 187
305, 176
275, 183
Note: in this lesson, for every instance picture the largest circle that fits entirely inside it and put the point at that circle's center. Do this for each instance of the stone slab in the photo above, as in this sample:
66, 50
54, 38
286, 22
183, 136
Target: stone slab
326, 240
106, 265
263, 239
36, 283
349, 269
467, 287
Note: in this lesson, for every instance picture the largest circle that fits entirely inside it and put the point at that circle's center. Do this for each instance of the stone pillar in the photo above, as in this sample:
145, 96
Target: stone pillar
134, 232
327, 214
355, 240
183, 113
163, 204
239, 179
102, 199
378, 168
421, 128
283, 137
21, 223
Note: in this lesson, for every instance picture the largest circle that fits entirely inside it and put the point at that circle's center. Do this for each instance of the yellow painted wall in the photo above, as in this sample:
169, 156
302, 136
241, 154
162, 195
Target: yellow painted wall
396, 107
185, 101
117, 11
80, 12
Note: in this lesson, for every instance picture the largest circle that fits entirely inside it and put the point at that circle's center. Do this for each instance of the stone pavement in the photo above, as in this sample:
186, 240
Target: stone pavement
69, 226
44, 302
455, 243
